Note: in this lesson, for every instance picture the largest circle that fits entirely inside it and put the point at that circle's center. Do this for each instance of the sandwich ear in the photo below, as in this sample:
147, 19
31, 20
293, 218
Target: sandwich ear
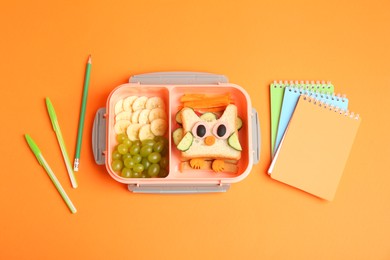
189, 118
230, 115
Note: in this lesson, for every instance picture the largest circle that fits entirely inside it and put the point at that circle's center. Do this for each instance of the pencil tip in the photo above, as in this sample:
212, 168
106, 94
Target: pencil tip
89, 59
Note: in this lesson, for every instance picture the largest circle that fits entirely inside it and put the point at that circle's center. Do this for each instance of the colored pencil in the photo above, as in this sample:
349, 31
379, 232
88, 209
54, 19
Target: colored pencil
82, 115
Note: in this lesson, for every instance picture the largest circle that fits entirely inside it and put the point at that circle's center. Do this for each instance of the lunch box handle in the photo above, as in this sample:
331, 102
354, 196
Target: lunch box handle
99, 136
256, 136
178, 188
178, 78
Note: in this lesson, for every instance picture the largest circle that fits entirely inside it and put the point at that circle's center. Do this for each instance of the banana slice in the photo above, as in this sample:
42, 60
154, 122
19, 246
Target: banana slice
157, 113
144, 116
155, 102
118, 106
139, 103
133, 131
121, 126
124, 115
135, 116
159, 126
145, 132
128, 103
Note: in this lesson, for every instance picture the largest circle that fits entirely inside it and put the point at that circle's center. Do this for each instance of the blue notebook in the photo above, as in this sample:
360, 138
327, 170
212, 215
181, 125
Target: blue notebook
290, 100
276, 99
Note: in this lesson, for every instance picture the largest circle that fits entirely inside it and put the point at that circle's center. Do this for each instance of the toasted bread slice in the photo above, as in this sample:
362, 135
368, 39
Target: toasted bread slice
220, 149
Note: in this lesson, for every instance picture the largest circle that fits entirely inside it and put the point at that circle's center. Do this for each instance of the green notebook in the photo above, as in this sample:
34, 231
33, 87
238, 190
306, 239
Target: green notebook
276, 99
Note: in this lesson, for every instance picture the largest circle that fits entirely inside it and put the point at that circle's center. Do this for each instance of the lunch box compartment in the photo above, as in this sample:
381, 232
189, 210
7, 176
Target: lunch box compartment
117, 94
239, 100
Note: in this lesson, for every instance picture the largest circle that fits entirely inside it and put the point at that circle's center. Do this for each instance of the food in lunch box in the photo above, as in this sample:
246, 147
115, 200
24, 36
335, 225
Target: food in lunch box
128, 103
124, 115
156, 113
206, 103
118, 107
228, 167
136, 159
155, 102
121, 126
139, 103
208, 141
140, 124
140, 117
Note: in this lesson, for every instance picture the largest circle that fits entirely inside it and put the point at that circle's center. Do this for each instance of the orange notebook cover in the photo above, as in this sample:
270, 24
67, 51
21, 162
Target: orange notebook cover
315, 148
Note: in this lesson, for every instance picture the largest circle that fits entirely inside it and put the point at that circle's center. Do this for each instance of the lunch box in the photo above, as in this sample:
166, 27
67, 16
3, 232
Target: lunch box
170, 86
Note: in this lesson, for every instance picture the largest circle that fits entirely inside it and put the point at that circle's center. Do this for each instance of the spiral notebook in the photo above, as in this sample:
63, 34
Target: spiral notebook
315, 147
290, 100
276, 99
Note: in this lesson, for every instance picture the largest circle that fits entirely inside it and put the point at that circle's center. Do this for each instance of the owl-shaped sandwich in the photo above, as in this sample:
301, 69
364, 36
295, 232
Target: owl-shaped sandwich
210, 139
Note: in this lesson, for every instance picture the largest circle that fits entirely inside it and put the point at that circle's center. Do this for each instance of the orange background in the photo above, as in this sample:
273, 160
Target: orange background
43, 51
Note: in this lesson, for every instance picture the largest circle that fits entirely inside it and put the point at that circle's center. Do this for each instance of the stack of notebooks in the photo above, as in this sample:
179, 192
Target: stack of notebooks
312, 133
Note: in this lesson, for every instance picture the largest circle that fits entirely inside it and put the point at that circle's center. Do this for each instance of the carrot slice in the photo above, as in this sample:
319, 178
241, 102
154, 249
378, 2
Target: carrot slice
195, 97
208, 102
218, 165
191, 97
209, 140
211, 109
228, 167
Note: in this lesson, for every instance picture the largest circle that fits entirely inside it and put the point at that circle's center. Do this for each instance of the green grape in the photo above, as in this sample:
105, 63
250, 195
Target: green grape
148, 142
137, 143
164, 162
145, 163
116, 155
158, 147
153, 170
163, 173
160, 139
122, 148
137, 158
127, 142
144, 175
129, 163
146, 150
165, 141
154, 157
134, 149
138, 168
121, 137
126, 156
126, 172
165, 151
136, 175
117, 165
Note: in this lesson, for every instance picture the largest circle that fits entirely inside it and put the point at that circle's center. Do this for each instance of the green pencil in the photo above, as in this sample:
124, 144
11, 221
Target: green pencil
82, 116
34, 148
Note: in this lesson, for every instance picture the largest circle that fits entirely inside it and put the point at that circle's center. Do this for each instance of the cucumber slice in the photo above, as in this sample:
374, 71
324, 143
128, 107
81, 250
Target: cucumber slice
177, 135
208, 117
239, 123
178, 117
186, 142
234, 142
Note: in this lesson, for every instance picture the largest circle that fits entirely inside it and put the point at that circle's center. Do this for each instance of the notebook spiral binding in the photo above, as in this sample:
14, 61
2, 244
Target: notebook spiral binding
325, 105
327, 95
304, 84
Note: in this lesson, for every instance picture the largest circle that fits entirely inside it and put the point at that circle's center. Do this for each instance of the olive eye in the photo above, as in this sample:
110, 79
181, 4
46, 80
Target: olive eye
200, 130
221, 130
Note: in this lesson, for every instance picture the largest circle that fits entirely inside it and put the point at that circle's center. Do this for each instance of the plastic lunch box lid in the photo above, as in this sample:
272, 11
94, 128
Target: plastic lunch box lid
162, 185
